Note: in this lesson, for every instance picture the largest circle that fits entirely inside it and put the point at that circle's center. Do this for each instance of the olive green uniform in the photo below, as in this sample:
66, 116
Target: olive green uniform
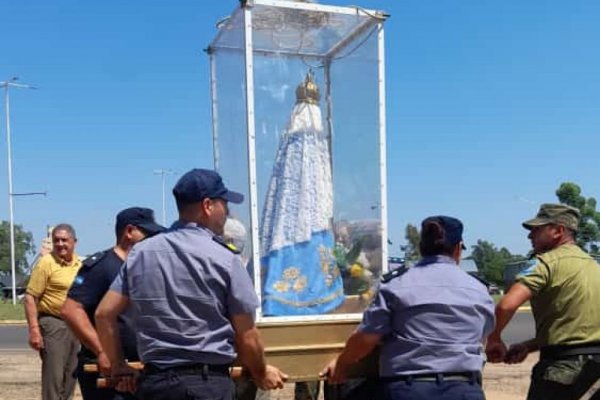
566, 306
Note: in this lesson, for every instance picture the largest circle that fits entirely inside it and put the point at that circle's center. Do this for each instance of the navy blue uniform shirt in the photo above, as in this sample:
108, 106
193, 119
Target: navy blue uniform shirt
91, 283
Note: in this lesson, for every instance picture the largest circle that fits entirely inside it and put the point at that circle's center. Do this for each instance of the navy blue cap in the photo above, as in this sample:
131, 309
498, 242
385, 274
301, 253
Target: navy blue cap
199, 184
140, 217
453, 228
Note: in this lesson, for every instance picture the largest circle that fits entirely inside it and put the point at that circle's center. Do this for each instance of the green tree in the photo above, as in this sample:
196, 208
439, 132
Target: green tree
411, 251
23, 246
588, 234
491, 261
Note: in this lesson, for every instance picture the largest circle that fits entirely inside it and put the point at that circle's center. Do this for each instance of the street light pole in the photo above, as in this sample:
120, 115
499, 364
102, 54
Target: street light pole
10, 198
162, 173
7, 84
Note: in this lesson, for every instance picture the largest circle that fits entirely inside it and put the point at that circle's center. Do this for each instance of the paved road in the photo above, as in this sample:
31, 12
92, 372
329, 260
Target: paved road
520, 328
14, 337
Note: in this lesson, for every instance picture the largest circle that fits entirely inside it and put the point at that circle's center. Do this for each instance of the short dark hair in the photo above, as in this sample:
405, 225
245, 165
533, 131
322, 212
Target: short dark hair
433, 239
119, 230
182, 205
64, 227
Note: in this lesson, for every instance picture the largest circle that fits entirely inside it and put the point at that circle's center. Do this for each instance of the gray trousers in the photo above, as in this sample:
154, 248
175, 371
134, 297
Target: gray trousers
59, 359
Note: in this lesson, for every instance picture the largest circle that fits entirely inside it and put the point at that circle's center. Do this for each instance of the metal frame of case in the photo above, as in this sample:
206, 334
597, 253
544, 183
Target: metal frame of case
284, 334
299, 343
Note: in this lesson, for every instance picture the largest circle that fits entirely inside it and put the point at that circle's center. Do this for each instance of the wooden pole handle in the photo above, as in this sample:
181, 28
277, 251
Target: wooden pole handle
102, 383
94, 367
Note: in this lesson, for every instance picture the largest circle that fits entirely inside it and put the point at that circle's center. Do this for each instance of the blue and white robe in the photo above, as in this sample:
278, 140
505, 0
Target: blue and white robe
300, 276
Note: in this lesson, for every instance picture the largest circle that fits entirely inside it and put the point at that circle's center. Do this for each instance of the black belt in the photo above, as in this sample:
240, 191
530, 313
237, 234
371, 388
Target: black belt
191, 369
563, 351
43, 314
467, 376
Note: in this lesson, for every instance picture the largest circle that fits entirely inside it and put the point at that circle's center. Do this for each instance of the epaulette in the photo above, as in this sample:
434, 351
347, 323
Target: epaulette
479, 279
385, 278
94, 259
229, 246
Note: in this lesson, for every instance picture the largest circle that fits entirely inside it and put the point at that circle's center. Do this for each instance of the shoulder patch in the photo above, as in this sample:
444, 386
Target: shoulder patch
94, 259
385, 278
79, 279
228, 246
529, 266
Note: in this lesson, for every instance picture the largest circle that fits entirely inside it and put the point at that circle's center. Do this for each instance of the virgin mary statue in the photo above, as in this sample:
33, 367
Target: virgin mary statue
299, 271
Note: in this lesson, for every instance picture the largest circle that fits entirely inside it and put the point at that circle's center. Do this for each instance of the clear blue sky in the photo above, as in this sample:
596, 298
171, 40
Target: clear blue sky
490, 106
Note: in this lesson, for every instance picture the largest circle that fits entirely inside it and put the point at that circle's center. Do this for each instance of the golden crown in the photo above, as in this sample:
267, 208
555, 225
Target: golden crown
308, 91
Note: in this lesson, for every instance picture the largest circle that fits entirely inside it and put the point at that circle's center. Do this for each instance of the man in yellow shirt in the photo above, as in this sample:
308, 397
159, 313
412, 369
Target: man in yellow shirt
563, 284
50, 280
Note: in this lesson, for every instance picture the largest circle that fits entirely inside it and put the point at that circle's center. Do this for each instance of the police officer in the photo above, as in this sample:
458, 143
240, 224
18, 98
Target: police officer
430, 320
562, 282
91, 283
192, 303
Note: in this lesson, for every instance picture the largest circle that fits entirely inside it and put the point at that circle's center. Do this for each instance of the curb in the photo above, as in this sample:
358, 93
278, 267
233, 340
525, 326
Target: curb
524, 309
13, 322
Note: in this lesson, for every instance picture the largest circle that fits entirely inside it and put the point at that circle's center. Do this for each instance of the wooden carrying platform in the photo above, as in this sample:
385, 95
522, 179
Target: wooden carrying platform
302, 349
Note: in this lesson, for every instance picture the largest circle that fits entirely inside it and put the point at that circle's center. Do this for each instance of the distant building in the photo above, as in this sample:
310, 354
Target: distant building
511, 270
6, 285
21, 279
46, 247
395, 262
468, 265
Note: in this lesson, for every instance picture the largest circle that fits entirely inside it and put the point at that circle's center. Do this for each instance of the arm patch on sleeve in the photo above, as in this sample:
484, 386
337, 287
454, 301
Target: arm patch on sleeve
86, 265
529, 267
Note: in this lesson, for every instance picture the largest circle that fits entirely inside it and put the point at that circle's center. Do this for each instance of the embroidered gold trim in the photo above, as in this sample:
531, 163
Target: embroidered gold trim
291, 279
307, 303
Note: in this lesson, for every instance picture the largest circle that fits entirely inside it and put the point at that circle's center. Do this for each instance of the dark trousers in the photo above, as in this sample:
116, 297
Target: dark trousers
173, 385
352, 389
442, 390
565, 378
245, 389
59, 359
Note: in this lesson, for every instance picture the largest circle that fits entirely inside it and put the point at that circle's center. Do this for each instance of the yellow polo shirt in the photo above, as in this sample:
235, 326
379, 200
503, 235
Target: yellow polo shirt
50, 281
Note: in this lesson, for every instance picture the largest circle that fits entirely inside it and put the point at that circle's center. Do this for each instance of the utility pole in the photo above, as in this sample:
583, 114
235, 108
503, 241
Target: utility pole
6, 85
163, 173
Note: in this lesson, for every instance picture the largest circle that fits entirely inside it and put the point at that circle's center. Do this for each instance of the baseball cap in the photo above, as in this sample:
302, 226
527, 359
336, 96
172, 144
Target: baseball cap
140, 217
559, 214
199, 184
453, 228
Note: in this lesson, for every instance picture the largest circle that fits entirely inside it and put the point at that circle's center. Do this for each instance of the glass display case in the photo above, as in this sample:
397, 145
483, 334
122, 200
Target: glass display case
298, 107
